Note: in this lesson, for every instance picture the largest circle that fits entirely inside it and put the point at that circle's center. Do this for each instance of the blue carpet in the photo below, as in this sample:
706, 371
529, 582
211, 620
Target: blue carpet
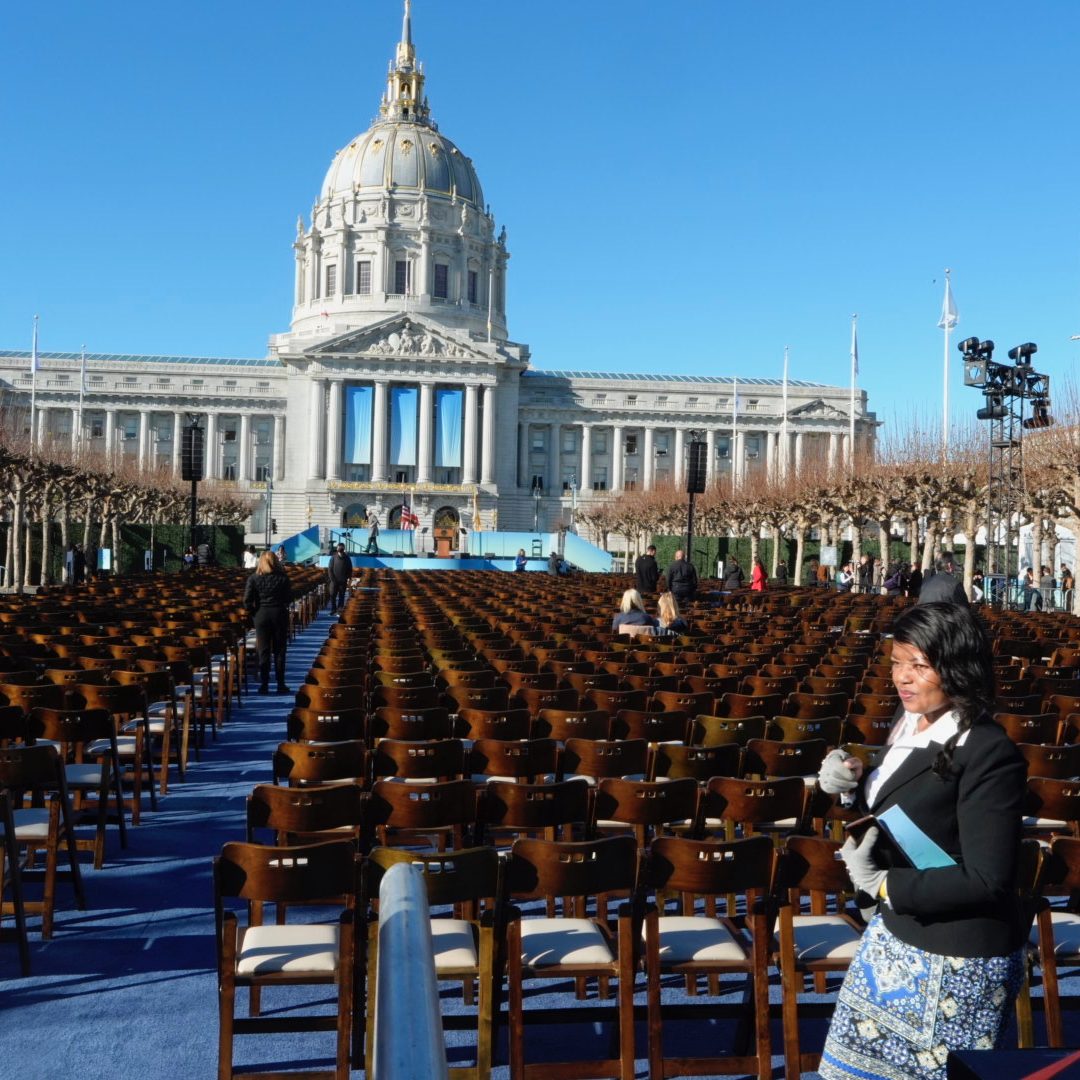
126, 989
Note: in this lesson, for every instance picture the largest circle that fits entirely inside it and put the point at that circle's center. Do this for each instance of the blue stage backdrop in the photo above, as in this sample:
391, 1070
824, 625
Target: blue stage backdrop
448, 406
358, 408
403, 425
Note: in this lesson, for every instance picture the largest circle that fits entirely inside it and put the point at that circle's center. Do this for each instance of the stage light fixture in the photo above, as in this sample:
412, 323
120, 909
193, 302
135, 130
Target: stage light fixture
1022, 354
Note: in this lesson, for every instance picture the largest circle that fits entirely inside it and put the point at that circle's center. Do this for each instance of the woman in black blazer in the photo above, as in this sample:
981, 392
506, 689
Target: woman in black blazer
941, 960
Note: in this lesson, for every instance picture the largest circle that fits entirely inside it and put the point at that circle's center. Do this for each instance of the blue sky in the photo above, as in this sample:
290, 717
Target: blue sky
686, 187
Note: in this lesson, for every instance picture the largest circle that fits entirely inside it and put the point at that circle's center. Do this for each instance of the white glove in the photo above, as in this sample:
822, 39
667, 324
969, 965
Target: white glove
865, 874
839, 773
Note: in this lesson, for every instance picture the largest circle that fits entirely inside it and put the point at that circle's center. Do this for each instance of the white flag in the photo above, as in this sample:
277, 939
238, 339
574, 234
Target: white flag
33, 351
949, 317
854, 349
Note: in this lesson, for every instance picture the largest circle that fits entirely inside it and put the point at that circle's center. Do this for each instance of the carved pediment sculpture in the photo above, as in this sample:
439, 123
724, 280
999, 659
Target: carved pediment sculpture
406, 338
818, 409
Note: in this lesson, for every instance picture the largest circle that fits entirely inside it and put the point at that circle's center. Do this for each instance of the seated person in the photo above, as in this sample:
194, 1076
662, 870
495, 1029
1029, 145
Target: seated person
667, 609
632, 612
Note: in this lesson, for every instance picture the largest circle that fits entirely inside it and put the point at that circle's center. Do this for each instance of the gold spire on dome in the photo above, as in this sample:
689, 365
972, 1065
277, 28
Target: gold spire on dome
404, 97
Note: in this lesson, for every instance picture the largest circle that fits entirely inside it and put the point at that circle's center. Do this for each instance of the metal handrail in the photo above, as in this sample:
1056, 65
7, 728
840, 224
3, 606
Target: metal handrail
408, 1026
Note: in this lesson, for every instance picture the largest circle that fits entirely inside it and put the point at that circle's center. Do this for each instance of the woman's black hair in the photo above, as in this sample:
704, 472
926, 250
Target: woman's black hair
958, 650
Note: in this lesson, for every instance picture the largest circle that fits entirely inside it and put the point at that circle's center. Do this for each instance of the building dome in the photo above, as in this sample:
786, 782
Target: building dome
404, 155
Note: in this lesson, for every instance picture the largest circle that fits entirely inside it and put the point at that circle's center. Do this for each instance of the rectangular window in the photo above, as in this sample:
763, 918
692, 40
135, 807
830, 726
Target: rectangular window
228, 470
631, 399
473, 287
363, 277
661, 442
97, 427
440, 290
537, 483
631, 444
569, 480
723, 447
262, 473
600, 478
401, 277
538, 440
569, 442
331, 280
661, 401
599, 442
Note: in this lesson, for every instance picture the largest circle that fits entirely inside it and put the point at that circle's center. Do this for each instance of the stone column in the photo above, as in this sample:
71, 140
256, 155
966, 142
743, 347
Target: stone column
76, 432
832, 449
210, 448
177, 442
616, 458
41, 427
554, 478
279, 447
678, 466
738, 457
524, 472
710, 458
469, 470
487, 438
798, 450
143, 444
378, 432
243, 464
316, 414
110, 435
424, 461
846, 443
585, 468
333, 432
649, 469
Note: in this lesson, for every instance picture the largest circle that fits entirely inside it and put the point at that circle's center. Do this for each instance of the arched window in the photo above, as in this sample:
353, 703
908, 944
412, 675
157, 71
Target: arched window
353, 516
447, 517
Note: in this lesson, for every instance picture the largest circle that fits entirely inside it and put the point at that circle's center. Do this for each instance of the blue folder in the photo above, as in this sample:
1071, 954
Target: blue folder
922, 852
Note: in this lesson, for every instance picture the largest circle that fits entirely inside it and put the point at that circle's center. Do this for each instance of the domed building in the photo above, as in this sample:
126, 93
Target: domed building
397, 379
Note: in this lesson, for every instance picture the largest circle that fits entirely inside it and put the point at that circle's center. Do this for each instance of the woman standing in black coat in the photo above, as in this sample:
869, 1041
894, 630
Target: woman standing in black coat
942, 958
268, 598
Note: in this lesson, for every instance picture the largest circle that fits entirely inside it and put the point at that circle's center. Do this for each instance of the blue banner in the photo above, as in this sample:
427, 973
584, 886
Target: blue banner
403, 401
448, 412
358, 408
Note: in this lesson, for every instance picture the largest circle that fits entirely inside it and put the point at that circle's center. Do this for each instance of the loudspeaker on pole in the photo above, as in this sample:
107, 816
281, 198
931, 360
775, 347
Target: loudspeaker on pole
697, 467
191, 454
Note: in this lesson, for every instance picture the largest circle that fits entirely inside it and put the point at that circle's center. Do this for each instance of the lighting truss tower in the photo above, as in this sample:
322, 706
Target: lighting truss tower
1006, 389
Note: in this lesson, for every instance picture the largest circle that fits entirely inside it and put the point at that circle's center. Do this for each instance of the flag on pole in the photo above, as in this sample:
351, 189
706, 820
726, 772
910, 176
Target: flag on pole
949, 315
34, 350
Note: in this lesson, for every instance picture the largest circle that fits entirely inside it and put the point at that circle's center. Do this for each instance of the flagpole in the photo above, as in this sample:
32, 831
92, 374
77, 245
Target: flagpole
82, 394
783, 422
33, 387
854, 372
948, 319
735, 437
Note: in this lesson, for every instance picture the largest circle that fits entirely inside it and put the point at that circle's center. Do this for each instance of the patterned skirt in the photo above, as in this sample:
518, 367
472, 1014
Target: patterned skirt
901, 1010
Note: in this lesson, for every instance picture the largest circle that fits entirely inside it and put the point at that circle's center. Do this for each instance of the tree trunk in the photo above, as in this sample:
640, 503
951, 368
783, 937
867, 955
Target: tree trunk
28, 538
15, 563
88, 521
800, 545
971, 528
777, 538
65, 533
1037, 532
856, 544
755, 545
928, 547
913, 540
884, 532
116, 545
46, 549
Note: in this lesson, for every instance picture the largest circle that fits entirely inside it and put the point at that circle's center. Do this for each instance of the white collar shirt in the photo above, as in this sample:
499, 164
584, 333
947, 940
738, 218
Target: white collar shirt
904, 738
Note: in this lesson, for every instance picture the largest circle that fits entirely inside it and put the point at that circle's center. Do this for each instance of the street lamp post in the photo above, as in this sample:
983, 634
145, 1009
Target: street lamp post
573, 502
536, 509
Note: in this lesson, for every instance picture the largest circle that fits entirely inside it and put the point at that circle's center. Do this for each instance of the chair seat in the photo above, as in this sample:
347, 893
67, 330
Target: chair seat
685, 938
125, 746
156, 725
291, 950
591, 780
760, 826
1066, 936
30, 824
1044, 823
83, 776
824, 937
569, 942
454, 945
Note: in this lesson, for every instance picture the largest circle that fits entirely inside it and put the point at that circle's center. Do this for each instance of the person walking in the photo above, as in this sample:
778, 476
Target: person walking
943, 585
373, 535
646, 571
520, 561
338, 572
758, 577
682, 579
733, 575
942, 958
268, 598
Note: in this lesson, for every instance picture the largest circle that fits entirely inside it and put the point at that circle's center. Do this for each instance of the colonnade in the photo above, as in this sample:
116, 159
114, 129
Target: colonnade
783, 451
144, 454
325, 430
